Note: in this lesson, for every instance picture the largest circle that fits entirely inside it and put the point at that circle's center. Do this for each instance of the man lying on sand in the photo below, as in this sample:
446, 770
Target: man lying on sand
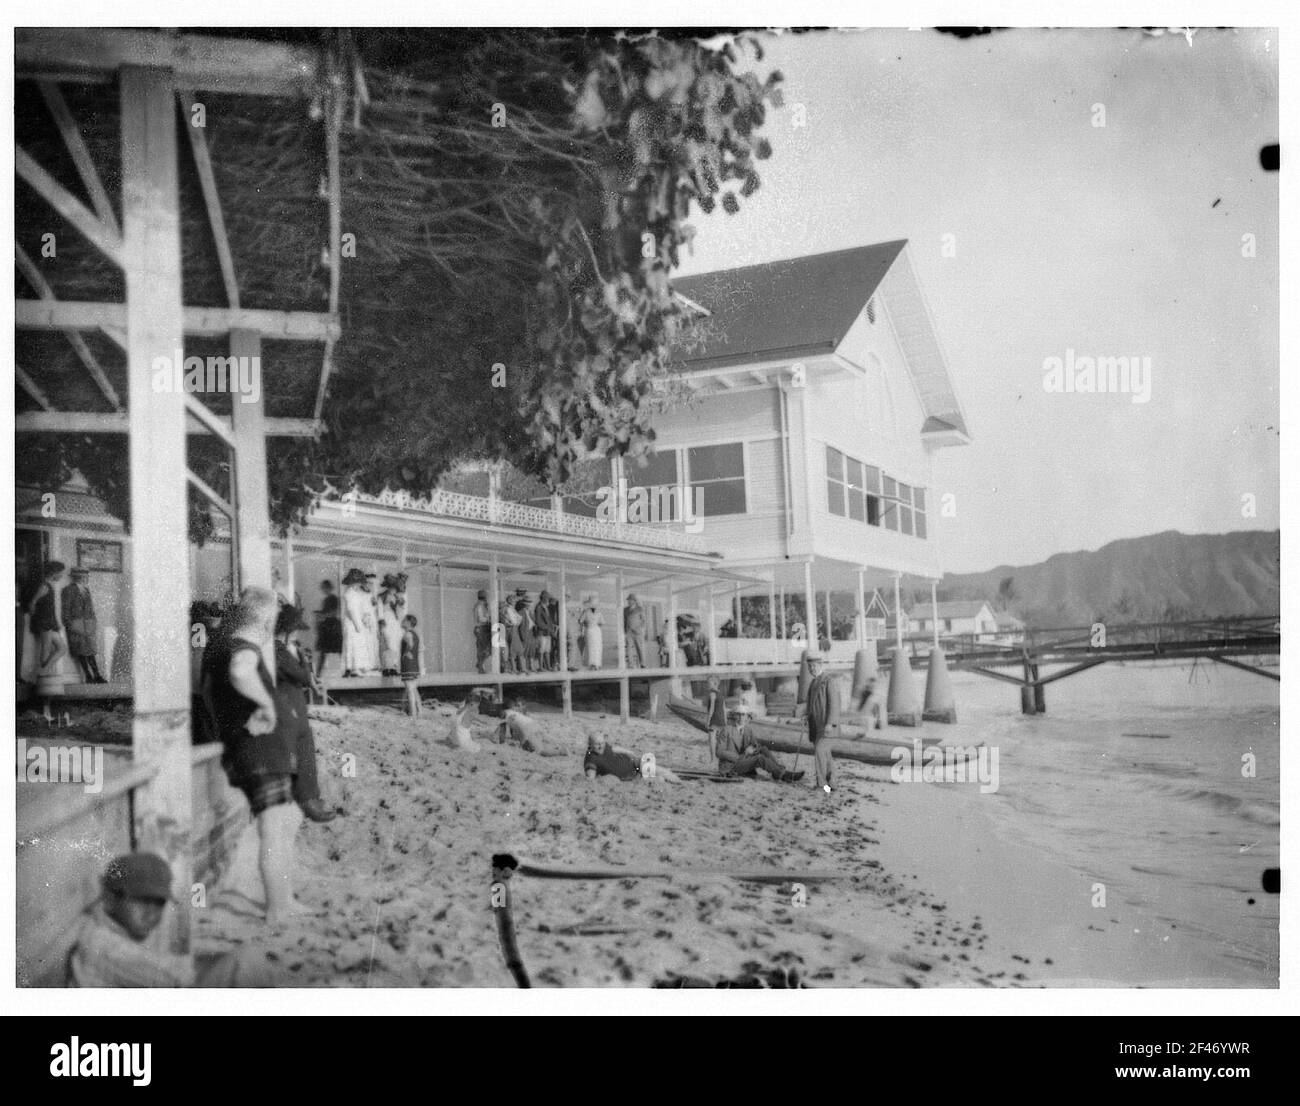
518, 729
604, 759
740, 755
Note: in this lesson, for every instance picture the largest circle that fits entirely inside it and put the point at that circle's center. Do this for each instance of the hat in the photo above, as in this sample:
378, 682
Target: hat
354, 576
390, 581
631, 598
813, 658
482, 595
289, 619
520, 592
139, 876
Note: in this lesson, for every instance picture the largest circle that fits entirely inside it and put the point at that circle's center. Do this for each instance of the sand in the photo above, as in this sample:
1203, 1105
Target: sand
399, 888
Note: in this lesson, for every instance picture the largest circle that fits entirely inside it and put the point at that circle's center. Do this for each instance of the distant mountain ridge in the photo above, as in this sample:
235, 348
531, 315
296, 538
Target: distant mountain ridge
1164, 576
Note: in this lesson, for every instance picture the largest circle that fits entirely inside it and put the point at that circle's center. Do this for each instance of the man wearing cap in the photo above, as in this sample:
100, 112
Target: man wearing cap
79, 622
544, 622
634, 632
482, 630
110, 948
823, 713
740, 755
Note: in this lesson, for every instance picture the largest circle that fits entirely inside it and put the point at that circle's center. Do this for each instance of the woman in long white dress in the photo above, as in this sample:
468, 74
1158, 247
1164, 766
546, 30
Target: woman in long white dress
358, 626
592, 621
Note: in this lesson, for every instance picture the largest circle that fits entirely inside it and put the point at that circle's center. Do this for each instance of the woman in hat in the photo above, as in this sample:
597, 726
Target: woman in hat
358, 626
79, 621
592, 623
392, 609
329, 627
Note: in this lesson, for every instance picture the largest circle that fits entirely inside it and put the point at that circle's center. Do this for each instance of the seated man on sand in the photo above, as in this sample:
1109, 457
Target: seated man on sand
604, 759
111, 949
740, 755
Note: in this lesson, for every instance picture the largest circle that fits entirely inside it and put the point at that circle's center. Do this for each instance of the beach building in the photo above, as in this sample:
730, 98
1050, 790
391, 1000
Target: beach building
958, 617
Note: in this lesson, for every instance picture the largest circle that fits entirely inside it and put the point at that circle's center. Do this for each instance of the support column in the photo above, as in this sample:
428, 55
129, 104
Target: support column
290, 576
862, 608
252, 494
712, 625
672, 637
624, 688
898, 611
934, 609
498, 630
151, 240
829, 635
442, 619
771, 615
780, 596
566, 685
810, 607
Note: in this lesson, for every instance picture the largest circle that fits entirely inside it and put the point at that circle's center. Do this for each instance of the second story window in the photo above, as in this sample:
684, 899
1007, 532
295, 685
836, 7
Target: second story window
719, 471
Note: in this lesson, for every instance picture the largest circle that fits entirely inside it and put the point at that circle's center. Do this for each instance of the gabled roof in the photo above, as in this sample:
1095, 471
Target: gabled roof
797, 307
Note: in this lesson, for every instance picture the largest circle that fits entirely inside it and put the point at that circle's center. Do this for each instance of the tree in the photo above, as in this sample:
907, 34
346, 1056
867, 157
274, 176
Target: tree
1006, 592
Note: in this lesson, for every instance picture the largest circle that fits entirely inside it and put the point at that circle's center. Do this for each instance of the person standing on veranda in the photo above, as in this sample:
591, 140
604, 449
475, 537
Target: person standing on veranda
359, 657
634, 632
592, 627
82, 628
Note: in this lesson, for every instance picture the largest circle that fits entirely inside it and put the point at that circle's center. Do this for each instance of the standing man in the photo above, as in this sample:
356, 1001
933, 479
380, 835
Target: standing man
544, 622
634, 632
79, 622
482, 630
823, 713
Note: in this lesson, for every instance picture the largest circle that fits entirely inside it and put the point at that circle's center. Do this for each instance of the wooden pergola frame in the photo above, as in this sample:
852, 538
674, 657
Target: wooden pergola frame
157, 73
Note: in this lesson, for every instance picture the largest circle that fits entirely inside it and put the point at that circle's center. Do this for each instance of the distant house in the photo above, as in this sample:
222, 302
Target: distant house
959, 616
1011, 630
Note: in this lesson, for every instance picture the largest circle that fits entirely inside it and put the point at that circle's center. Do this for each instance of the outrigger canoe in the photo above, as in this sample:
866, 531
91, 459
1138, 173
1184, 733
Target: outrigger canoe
789, 735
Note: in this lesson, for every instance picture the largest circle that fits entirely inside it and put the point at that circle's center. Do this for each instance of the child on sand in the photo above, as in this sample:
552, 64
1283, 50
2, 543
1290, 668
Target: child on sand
458, 735
110, 948
410, 664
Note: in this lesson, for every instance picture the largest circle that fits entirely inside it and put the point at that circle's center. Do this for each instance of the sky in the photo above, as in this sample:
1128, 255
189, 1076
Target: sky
1104, 240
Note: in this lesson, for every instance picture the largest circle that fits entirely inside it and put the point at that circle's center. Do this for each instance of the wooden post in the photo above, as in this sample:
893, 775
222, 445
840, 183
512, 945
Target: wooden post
712, 626
566, 687
252, 495
624, 689
498, 631
898, 611
771, 614
934, 609
780, 598
862, 608
810, 607
160, 728
290, 576
672, 636
442, 620
830, 636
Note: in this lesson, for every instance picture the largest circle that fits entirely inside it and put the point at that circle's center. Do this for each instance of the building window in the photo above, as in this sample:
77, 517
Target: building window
835, 482
659, 472
918, 511
719, 472
891, 503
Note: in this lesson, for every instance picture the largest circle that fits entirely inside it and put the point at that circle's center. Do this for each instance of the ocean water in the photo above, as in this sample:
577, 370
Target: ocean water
1139, 776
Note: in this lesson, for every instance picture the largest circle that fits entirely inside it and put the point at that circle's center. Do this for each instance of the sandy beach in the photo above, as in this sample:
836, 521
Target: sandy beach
401, 884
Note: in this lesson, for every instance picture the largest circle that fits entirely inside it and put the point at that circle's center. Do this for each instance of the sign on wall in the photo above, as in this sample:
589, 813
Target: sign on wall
99, 556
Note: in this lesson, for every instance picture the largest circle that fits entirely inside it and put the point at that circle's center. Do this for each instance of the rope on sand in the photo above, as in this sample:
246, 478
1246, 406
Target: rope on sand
748, 875
503, 867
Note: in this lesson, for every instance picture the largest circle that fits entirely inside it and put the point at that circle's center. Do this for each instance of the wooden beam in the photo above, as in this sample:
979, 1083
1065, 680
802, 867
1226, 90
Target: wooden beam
32, 273
98, 233
200, 62
210, 493
210, 419
116, 335
96, 422
80, 154
335, 186
204, 322
28, 385
160, 669
252, 494
211, 199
